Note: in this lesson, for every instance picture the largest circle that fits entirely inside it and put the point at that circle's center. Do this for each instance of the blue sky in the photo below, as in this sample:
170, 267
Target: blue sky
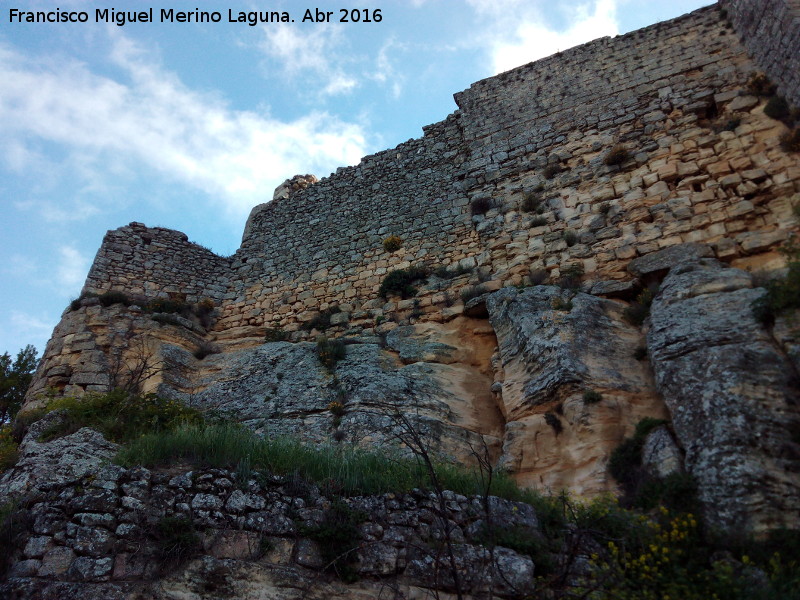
189, 125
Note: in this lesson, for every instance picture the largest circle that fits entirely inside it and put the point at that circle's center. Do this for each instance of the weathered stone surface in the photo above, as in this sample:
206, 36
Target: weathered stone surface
731, 395
284, 388
660, 454
64, 459
549, 359
56, 562
414, 345
663, 260
90, 569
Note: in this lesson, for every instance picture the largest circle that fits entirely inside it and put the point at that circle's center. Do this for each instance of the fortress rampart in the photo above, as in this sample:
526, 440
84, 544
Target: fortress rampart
703, 163
661, 92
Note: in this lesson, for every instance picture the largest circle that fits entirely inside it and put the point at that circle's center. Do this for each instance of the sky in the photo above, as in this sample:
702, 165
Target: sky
189, 125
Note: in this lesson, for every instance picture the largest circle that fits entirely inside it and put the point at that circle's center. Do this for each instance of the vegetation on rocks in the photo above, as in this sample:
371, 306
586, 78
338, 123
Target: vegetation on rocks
393, 243
119, 415
15, 377
782, 294
399, 282
330, 351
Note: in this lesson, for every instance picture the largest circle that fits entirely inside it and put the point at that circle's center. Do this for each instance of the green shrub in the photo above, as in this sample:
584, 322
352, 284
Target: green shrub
522, 540
275, 334
338, 538
625, 463
119, 415
204, 311
480, 206
176, 540
398, 282
205, 349
639, 310
760, 85
167, 319
570, 237
9, 452
330, 351
592, 397
322, 321
781, 294
571, 277
392, 243
616, 156
168, 306
558, 303
777, 108
790, 141
114, 297
456, 270
676, 492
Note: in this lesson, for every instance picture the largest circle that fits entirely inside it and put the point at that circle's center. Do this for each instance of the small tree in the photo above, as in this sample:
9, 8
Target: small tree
15, 377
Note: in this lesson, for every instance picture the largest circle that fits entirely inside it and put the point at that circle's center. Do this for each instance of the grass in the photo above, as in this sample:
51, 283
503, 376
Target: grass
355, 471
473, 291
616, 156
118, 415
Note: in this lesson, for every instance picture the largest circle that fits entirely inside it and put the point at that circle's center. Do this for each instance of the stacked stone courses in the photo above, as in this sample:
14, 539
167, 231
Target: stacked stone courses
704, 165
770, 30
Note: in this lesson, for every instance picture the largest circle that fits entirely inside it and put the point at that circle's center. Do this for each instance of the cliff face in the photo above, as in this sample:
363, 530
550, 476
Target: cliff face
537, 245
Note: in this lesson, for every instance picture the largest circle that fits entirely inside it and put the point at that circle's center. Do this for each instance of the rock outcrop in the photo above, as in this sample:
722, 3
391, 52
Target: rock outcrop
554, 347
732, 393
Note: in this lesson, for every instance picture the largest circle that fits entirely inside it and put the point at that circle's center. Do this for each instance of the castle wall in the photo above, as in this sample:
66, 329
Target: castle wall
158, 263
704, 166
770, 30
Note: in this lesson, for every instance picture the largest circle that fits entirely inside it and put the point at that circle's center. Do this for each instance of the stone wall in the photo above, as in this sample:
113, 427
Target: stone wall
157, 263
770, 30
114, 533
704, 165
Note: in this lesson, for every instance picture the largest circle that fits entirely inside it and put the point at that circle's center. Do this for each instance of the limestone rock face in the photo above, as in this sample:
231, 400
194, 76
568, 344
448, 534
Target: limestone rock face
283, 388
59, 461
730, 390
549, 358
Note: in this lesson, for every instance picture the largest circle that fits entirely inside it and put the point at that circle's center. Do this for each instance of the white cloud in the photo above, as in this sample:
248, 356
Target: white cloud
105, 126
20, 266
313, 57
519, 31
72, 268
35, 326
533, 39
